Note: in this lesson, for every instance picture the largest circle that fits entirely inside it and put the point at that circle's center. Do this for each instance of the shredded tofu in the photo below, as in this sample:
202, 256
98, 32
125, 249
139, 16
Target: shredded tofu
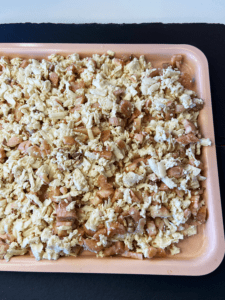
98, 154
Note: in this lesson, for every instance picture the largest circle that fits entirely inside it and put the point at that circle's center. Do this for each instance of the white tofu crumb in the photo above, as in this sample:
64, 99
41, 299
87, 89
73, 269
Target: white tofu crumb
205, 142
80, 181
131, 178
110, 53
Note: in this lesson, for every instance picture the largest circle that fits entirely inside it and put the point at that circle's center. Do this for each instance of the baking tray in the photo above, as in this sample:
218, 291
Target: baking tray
200, 254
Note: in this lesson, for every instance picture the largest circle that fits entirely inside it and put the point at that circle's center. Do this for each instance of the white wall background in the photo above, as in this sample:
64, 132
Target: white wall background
112, 11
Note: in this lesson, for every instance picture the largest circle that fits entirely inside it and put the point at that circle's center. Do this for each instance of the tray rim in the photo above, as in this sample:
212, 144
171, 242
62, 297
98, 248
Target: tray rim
198, 266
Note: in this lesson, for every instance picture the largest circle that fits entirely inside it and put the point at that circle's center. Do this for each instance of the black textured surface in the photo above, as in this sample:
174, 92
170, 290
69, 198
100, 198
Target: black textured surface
210, 38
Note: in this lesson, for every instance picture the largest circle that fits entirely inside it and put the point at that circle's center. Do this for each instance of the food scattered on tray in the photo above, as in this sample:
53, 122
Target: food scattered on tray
98, 153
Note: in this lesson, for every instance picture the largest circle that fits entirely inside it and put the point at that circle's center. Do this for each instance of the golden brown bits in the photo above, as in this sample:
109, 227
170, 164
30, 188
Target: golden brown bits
116, 122
187, 139
74, 86
71, 68
81, 231
92, 245
51, 68
60, 233
104, 154
78, 104
2, 155
44, 178
115, 228
155, 72
69, 140
24, 146
151, 228
81, 129
102, 231
3, 249
179, 193
151, 252
96, 131
201, 215
26, 95
103, 184
34, 151
51, 192
45, 148
136, 196
187, 213
82, 138
140, 226
176, 172
130, 224
95, 105
197, 192
54, 78
96, 200
14, 141
132, 167
134, 213
72, 78
189, 126
125, 57
63, 190
105, 194
117, 195
148, 103
194, 206
121, 144
88, 231
76, 249
105, 135
160, 253
192, 162
3, 237
63, 215
24, 63
126, 108
159, 223
135, 114
18, 113
118, 209
139, 137
116, 249
75, 108
81, 70
80, 100
159, 212
137, 125
140, 159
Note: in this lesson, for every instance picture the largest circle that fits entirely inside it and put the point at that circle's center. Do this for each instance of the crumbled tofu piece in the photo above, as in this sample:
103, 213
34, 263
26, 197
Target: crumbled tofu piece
130, 179
79, 181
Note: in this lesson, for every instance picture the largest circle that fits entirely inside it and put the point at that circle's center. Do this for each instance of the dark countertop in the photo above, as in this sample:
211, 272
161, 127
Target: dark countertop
210, 38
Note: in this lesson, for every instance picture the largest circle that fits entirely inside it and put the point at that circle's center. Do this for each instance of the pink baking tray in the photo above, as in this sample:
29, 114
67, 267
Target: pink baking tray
200, 254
